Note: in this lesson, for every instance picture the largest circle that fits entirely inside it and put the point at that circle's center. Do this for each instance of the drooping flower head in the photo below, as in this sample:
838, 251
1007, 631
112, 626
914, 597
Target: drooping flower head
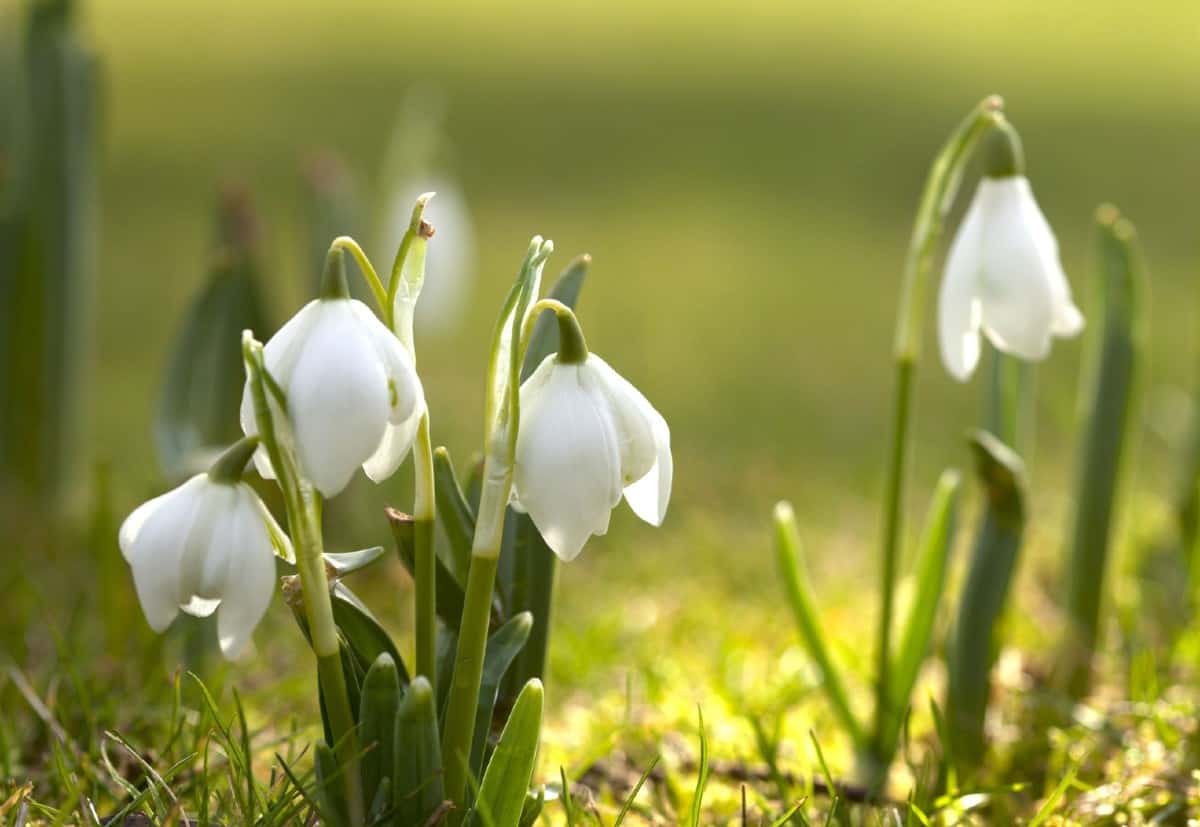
1003, 275
352, 391
587, 436
207, 546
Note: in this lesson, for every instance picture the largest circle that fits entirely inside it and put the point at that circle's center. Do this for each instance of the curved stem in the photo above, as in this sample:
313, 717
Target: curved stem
941, 187
345, 242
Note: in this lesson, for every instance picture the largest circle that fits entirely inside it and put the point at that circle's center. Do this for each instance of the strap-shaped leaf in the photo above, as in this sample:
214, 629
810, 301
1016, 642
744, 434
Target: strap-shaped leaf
808, 622
363, 634
506, 781
1109, 396
197, 412
330, 789
417, 779
379, 704
933, 555
457, 516
502, 648
974, 644
348, 562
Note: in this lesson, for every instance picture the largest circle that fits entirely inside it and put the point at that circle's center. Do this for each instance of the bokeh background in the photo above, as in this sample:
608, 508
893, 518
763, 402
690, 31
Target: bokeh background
744, 176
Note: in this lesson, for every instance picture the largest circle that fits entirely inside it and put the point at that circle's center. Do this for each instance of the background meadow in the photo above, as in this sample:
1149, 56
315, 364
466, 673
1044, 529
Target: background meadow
745, 177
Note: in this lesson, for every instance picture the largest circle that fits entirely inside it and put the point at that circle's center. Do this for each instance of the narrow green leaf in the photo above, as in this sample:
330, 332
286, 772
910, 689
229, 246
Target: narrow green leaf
1106, 415
329, 790
456, 515
975, 642
202, 388
417, 779
348, 562
378, 706
502, 648
933, 555
506, 781
799, 594
633, 794
363, 634
534, 804
701, 775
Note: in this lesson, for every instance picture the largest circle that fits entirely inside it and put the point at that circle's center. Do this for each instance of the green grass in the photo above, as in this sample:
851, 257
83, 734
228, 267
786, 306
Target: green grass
744, 177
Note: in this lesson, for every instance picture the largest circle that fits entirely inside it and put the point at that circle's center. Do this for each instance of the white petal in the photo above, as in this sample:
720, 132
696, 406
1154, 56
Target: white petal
634, 419
649, 496
406, 394
250, 578
397, 442
337, 399
202, 561
958, 303
152, 540
1068, 321
1015, 287
567, 473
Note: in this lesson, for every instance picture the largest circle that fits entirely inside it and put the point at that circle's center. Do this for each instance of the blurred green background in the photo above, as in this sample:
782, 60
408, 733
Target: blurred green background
744, 175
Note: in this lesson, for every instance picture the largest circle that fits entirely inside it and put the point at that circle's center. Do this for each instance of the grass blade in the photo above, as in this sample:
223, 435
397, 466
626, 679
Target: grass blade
799, 593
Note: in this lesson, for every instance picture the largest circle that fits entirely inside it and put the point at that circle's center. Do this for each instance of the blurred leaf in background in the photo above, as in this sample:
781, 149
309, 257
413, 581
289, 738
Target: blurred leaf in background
202, 391
47, 246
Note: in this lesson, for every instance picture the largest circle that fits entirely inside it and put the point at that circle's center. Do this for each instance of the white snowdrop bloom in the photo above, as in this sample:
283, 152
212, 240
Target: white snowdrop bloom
586, 436
352, 391
1003, 275
208, 543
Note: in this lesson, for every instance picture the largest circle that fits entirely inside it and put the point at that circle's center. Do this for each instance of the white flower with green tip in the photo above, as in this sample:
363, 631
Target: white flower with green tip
207, 546
1003, 276
586, 437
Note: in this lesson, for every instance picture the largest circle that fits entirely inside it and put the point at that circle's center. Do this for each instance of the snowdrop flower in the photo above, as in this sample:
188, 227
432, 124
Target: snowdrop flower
208, 543
586, 436
1003, 275
352, 391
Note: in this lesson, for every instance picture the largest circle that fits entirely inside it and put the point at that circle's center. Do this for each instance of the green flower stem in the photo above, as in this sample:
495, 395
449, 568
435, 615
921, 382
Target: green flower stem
941, 186
472, 643
424, 516
303, 507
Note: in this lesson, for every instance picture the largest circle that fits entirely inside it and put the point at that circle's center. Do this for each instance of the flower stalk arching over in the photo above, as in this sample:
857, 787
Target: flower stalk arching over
351, 388
207, 546
1003, 276
586, 437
